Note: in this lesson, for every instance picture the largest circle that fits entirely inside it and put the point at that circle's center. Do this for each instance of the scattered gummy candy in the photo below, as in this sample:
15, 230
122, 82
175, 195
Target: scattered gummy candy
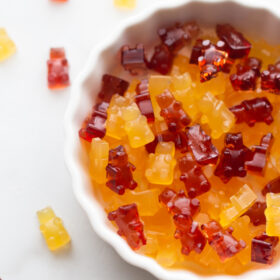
7, 46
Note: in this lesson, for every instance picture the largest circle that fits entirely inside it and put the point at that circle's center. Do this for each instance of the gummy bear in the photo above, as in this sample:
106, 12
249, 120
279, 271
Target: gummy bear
136, 126
272, 187
233, 157
161, 60
178, 203
52, 229
119, 171
7, 46
246, 74
236, 45
133, 59
193, 177
99, 154
240, 203
161, 164
272, 214
263, 248
260, 154
58, 69
253, 110
172, 111
215, 113
270, 78
130, 4
143, 100
189, 234
256, 213
201, 146
129, 224
221, 240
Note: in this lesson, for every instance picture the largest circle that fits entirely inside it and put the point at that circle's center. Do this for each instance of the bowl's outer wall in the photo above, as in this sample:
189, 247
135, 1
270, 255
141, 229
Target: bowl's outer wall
258, 22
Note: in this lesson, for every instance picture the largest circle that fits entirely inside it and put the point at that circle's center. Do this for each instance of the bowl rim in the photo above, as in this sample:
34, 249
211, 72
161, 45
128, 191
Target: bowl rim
78, 174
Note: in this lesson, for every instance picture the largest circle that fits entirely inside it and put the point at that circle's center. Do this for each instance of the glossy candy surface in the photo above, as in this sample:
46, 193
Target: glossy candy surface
270, 78
272, 214
256, 213
272, 187
7, 46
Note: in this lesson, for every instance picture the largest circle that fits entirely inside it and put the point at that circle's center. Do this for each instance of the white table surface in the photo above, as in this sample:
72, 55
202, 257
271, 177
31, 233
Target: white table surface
32, 170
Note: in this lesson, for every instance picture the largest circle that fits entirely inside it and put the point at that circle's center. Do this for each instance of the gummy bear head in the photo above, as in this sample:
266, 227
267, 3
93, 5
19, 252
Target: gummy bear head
118, 156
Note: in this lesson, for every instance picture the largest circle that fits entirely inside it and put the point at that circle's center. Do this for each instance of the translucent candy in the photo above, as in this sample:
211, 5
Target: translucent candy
58, 69
272, 214
270, 78
222, 240
52, 229
256, 213
193, 177
240, 203
119, 171
161, 164
130, 226
130, 4
253, 110
7, 46
201, 146
215, 113
272, 186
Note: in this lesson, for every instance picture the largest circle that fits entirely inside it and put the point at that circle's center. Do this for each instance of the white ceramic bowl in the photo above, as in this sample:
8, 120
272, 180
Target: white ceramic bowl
257, 17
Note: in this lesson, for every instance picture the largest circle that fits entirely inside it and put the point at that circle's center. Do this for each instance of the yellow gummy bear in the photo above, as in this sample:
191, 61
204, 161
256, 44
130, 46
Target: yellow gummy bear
136, 126
240, 203
130, 4
99, 153
272, 214
52, 229
161, 164
7, 46
215, 113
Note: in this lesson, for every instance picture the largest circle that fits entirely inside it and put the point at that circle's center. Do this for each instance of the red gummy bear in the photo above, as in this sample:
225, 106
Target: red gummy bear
193, 177
189, 234
260, 154
272, 187
270, 78
233, 157
263, 248
129, 224
172, 111
256, 213
246, 74
119, 171
161, 60
133, 59
178, 203
201, 146
143, 100
236, 45
58, 69
253, 110
221, 240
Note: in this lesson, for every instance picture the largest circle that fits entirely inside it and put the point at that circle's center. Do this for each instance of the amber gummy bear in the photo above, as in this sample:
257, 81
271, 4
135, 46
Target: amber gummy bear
256, 213
130, 226
272, 214
272, 187
270, 78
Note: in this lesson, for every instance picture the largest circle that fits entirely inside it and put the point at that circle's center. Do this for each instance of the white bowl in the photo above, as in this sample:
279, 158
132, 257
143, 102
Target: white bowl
256, 17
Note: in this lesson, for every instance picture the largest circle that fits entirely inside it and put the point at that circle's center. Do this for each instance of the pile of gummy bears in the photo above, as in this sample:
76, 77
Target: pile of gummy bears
184, 156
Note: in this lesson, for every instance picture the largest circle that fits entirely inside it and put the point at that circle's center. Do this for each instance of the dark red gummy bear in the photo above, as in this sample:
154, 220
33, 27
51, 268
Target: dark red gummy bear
193, 177
178, 203
253, 110
143, 100
189, 234
272, 187
236, 45
233, 157
246, 74
161, 60
263, 248
133, 59
129, 224
112, 85
119, 171
221, 240
172, 111
58, 69
259, 154
256, 213
270, 78
201, 146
